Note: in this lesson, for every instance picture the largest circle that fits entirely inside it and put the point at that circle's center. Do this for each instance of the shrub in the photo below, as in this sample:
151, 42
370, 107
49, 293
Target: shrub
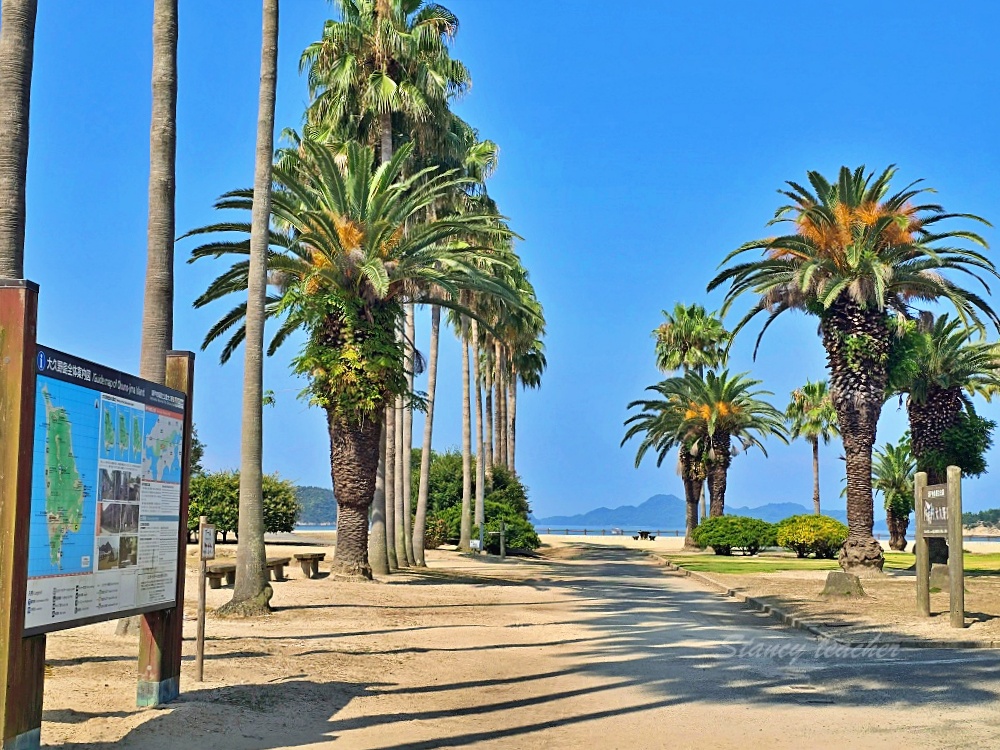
217, 495
435, 532
727, 533
812, 535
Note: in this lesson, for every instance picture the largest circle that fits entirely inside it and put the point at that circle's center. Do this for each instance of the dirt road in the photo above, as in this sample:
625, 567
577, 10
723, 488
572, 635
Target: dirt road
592, 647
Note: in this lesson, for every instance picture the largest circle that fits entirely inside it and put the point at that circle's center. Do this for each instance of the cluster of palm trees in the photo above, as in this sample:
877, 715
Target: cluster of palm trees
377, 207
860, 258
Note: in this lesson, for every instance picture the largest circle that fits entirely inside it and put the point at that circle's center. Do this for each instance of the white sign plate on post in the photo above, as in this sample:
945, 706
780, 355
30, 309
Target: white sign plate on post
207, 542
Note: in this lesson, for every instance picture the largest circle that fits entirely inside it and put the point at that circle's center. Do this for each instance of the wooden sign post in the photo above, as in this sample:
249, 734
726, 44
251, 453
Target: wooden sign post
938, 510
22, 660
206, 541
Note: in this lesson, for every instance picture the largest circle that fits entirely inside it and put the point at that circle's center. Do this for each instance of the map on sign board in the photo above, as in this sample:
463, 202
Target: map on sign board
105, 495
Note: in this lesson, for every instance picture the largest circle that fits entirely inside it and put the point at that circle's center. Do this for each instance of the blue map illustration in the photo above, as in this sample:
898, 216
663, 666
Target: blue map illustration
161, 458
64, 479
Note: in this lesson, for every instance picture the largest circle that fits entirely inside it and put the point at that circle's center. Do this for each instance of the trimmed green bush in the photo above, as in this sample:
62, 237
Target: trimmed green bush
724, 534
217, 495
806, 535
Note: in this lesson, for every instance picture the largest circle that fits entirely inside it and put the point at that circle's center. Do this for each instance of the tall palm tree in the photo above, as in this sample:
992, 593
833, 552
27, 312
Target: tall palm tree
347, 267
423, 486
382, 57
857, 254
812, 416
17, 45
893, 469
939, 367
690, 339
252, 592
704, 414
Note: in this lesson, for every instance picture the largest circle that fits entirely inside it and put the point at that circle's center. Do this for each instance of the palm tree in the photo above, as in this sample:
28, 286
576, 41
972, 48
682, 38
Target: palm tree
252, 592
704, 415
383, 57
423, 486
691, 339
812, 416
17, 45
939, 366
893, 468
347, 267
856, 255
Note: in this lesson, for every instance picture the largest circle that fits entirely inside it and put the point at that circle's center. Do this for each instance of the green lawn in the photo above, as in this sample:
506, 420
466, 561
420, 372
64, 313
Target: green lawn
770, 562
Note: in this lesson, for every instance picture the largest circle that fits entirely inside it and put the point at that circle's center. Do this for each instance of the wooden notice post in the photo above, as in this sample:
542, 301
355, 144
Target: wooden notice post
162, 632
206, 541
22, 660
938, 510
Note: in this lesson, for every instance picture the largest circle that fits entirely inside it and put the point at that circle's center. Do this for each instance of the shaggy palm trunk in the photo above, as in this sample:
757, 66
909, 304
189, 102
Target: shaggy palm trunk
402, 559
252, 591
158, 298
420, 523
17, 44
354, 451
703, 508
408, 439
385, 136
856, 340
929, 419
691, 486
390, 486
478, 417
512, 423
897, 530
815, 447
465, 532
488, 410
378, 556
718, 473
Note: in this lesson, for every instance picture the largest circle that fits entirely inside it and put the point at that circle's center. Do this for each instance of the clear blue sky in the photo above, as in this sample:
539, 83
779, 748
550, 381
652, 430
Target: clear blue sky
638, 147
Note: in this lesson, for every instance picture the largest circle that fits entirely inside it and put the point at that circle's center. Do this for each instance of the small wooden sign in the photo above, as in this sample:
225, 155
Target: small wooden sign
934, 508
207, 538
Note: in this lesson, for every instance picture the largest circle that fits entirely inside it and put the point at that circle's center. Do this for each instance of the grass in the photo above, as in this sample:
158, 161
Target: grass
773, 562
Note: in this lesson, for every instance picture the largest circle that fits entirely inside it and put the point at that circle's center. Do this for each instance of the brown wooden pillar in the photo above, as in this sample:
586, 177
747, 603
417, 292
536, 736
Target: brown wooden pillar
162, 633
22, 660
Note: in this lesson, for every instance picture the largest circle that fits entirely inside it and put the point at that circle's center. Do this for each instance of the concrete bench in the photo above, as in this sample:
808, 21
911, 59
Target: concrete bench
216, 571
309, 562
276, 567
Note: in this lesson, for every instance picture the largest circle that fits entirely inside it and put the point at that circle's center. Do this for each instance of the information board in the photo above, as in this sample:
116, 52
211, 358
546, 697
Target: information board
105, 494
934, 506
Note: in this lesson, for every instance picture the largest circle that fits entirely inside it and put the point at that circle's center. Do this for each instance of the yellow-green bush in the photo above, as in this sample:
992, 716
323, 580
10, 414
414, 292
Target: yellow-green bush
805, 535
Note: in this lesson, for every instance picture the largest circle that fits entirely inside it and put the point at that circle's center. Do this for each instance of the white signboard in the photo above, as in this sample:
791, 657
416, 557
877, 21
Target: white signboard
105, 494
207, 540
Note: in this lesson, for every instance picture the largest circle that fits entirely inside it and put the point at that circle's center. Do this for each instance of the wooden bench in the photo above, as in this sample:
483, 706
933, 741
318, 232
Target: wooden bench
309, 562
216, 572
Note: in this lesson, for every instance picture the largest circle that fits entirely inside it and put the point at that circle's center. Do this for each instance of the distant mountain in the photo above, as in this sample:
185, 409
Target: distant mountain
667, 512
318, 505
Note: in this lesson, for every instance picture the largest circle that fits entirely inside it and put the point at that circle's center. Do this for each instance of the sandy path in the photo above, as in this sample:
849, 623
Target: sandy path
593, 647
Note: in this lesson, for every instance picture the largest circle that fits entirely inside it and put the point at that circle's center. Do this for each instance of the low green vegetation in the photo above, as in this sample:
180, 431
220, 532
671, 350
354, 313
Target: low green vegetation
819, 536
989, 517
773, 562
217, 496
726, 534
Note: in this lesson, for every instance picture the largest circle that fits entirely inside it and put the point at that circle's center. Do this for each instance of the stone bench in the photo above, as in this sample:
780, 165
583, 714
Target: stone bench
309, 562
215, 572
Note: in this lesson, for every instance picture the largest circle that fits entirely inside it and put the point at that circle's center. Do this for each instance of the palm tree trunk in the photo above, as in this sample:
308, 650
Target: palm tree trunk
252, 591
718, 473
488, 411
401, 557
410, 335
390, 486
465, 534
703, 510
501, 426
423, 490
385, 136
511, 421
478, 417
897, 530
17, 44
815, 447
929, 418
354, 449
158, 300
690, 497
378, 556
858, 378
